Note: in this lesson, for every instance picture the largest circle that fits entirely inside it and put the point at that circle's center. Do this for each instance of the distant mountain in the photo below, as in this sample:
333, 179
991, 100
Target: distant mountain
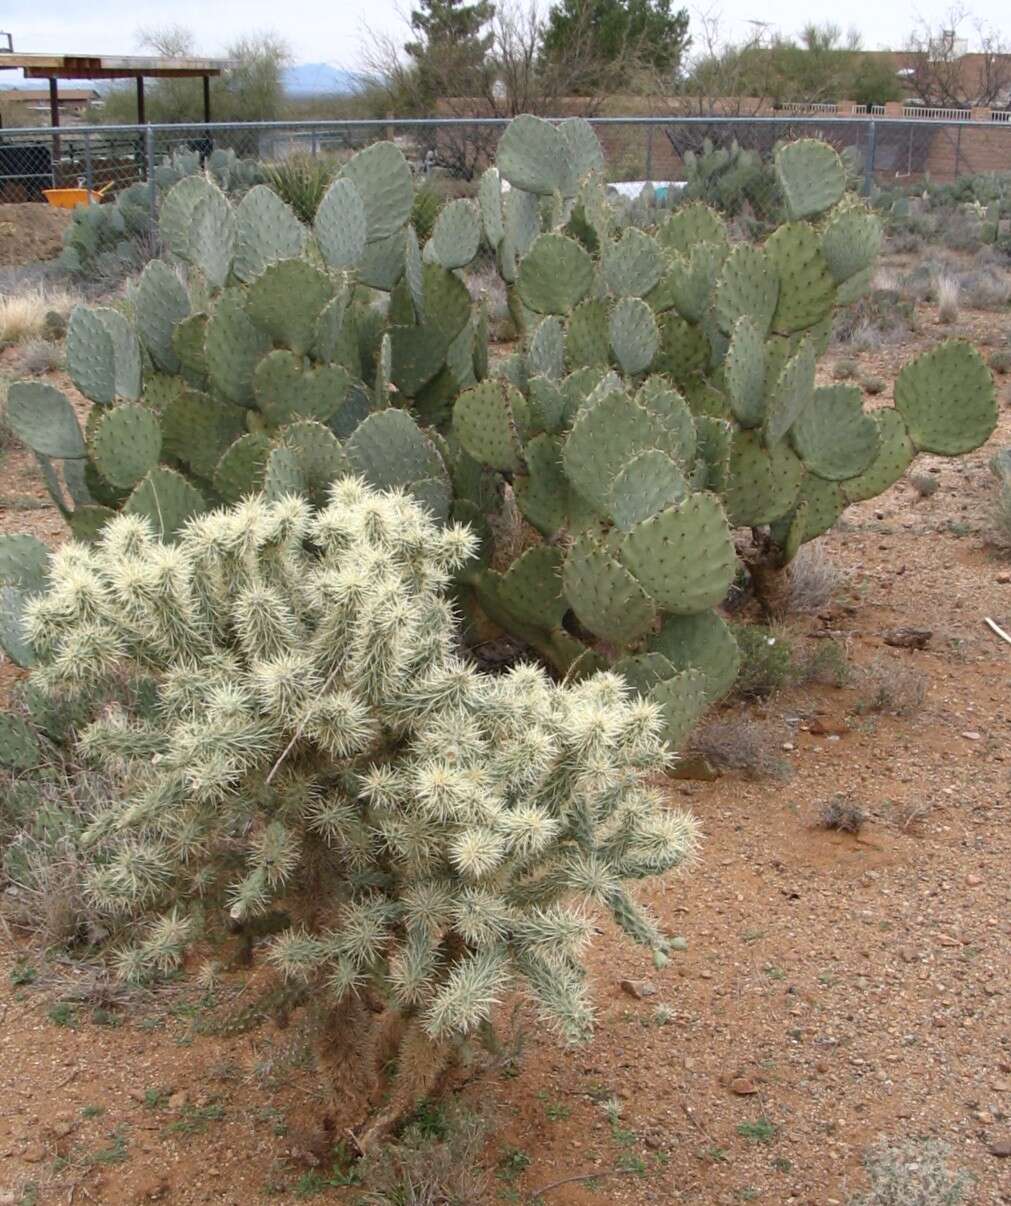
313, 79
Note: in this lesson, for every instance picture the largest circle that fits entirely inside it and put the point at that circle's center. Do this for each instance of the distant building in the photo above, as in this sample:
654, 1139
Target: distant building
73, 102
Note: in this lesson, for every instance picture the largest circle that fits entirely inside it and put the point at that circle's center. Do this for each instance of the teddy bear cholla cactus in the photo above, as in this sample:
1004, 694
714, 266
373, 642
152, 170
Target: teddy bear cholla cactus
432, 832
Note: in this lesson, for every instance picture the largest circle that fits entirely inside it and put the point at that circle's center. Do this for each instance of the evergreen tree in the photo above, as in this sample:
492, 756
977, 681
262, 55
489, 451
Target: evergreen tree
647, 31
450, 49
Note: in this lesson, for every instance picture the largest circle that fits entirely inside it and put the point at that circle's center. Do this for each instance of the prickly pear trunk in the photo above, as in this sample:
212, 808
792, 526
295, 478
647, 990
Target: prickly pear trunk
770, 580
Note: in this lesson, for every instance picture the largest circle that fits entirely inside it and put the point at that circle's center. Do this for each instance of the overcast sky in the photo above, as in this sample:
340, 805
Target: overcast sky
330, 30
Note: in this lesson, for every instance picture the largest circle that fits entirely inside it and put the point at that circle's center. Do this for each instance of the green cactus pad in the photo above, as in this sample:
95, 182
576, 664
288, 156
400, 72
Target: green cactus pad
854, 288
604, 595
690, 281
19, 748
634, 335
642, 671
791, 395
701, 642
211, 242
489, 197
584, 147
484, 423
806, 286
811, 176
383, 262
531, 589
691, 225
684, 349
460, 357
175, 212
456, 235
233, 346
321, 460
684, 557
13, 640
390, 451
542, 493
91, 359
850, 243
160, 303
947, 399
547, 403
86, 523
168, 500
522, 220
744, 372
682, 700
546, 354
413, 273
242, 466
286, 300
126, 444
283, 475
383, 179
41, 417
712, 464
791, 533
748, 285
341, 225
763, 482
587, 337
605, 436
286, 390
534, 156
188, 344
555, 274
417, 356
648, 484
197, 429
821, 502
833, 436
633, 264
894, 456
24, 562
266, 230
672, 410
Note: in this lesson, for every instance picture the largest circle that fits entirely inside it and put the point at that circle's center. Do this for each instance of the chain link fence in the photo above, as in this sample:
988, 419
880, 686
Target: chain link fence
107, 159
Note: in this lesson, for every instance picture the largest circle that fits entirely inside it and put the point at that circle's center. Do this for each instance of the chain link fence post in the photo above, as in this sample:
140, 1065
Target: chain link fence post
89, 175
149, 166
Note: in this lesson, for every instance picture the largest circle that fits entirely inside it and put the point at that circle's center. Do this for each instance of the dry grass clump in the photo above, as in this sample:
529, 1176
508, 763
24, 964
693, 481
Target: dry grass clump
949, 298
486, 284
1000, 516
741, 744
841, 813
815, 580
986, 289
873, 384
912, 1172
23, 315
890, 688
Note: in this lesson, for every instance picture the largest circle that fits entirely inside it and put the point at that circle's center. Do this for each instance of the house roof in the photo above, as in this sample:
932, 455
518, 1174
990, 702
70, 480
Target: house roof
27, 95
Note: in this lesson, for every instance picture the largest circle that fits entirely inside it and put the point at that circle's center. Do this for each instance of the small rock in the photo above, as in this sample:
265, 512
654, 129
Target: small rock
972, 735
1002, 1147
743, 1086
178, 1101
62, 1129
974, 881
947, 940
1004, 577
33, 1153
1001, 1084
638, 988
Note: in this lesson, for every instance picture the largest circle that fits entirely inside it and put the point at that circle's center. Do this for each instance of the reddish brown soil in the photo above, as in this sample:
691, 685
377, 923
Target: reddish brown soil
856, 987
31, 231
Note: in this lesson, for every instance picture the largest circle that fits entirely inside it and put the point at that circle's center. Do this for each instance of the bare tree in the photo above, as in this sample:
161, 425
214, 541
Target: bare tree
944, 75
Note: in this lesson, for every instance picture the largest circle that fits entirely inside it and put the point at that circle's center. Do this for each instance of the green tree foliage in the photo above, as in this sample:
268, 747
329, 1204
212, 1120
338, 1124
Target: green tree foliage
875, 80
451, 43
656, 34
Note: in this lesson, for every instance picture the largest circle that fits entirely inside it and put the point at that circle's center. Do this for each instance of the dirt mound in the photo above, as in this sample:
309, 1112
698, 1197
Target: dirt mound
31, 231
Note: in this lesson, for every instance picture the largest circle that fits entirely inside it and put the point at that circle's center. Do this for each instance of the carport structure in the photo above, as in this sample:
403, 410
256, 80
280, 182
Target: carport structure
56, 67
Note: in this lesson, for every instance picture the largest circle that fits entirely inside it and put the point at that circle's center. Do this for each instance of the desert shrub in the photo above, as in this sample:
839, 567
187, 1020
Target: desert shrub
825, 662
845, 369
39, 356
881, 317
428, 203
988, 289
1000, 515
925, 484
912, 1172
842, 813
873, 384
1000, 361
815, 580
301, 180
742, 744
766, 661
949, 299
962, 230
318, 753
890, 687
